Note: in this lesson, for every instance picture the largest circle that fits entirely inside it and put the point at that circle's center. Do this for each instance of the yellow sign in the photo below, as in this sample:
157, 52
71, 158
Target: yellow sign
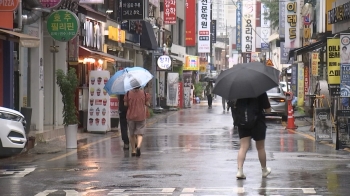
314, 63
307, 36
327, 8
116, 34
333, 60
191, 63
269, 63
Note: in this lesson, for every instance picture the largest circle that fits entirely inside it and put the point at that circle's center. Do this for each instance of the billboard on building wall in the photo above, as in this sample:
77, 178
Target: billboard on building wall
333, 60
292, 23
203, 21
169, 12
190, 22
248, 25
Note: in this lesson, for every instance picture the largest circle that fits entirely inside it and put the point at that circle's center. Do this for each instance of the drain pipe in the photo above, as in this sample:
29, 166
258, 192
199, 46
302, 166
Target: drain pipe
19, 17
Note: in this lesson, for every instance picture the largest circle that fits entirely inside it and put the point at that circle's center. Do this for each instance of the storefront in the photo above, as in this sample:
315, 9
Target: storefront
190, 73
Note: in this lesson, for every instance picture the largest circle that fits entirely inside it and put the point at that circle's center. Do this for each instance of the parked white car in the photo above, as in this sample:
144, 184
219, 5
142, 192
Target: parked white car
12, 132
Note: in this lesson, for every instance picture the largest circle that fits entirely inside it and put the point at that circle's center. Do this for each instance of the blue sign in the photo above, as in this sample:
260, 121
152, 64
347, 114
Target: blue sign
294, 80
345, 80
239, 26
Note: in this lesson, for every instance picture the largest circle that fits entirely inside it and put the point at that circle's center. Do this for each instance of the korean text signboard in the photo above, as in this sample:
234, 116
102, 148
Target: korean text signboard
314, 63
239, 26
345, 65
213, 30
169, 11
292, 21
248, 25
300, 88
133, 9
164, 63
282, 17
339, 13
333, 60
284, 54
191, 63
187, 81
265, 28
50, 3
345, 48
294, 79
203, 26
8, 5
63, 25
190, 22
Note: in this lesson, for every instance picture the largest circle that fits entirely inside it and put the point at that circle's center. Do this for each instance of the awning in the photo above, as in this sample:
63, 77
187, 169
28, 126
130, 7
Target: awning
308, 48
24, 40
178, 58
274, 37
148, 39
106, 56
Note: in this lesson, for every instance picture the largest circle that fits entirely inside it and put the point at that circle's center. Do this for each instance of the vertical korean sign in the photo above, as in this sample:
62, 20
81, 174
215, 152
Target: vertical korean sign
203, 26
169, 11
282, 17
132, 9
265, 28
292, 21
248, 23
63, 25
345, 65
333, 60
284, 54
239, 26
314, 63
190, 22
301, 89
213, 31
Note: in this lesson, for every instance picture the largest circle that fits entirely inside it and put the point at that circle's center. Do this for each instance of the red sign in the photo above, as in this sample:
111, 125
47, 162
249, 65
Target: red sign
190, 23
114, 107
8, 5
180, 95
169, 11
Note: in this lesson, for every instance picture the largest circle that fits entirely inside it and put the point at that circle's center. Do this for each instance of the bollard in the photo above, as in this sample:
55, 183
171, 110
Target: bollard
290, 121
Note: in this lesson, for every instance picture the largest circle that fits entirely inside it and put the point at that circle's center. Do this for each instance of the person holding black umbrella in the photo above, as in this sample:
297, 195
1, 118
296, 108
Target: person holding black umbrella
209, 92
248, 84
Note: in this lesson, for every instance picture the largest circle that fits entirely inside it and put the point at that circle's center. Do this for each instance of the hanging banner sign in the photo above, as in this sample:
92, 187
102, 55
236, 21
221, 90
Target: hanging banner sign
333, 60
190, 22
265, 28
203, 21
248, 23
239, 26
169, 11
292, 21
314, 63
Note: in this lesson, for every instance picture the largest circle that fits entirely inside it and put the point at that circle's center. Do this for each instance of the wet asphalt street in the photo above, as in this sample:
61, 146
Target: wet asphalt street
191, 152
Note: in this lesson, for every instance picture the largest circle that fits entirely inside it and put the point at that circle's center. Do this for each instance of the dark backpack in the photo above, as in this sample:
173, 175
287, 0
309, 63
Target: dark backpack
246, 112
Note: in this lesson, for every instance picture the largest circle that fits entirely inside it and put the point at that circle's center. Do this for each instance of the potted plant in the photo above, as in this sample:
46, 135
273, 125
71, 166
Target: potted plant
68, 83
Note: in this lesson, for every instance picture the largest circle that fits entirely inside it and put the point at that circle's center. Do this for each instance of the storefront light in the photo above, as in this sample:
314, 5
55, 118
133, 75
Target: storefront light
100, 61
89, 60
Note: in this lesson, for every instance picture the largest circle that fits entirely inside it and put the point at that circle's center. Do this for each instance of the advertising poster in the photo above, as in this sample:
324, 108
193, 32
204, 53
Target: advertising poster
345, 48
114, 107
301, 89
99, 105
169, 12
314, 63
187, 79
172, 89
161, 84
345, 80
284, 55
323, 124
190, 22
191, 63
343, 123
333, 60
265, 28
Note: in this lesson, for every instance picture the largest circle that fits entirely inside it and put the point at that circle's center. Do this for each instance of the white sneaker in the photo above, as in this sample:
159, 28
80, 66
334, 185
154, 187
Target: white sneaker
240, 175
265, 172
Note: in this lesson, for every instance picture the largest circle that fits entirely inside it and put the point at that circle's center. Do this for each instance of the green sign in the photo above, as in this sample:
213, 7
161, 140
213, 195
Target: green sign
63, 25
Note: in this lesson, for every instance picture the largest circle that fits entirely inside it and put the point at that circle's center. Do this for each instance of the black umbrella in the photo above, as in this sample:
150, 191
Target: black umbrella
209, 79
246, 81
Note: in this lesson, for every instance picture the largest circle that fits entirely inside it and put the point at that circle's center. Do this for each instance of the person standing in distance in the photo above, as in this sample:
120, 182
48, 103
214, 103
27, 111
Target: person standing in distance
209, 91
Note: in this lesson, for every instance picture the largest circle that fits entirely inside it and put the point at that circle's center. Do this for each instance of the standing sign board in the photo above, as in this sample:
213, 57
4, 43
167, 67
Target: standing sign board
343, 124
172, 89
323, 124
63, 25
99, 116
187, 79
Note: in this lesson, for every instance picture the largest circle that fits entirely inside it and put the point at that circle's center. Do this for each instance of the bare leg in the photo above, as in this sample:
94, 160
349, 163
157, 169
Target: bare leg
133, 143
139, 140
245, 142
260, 146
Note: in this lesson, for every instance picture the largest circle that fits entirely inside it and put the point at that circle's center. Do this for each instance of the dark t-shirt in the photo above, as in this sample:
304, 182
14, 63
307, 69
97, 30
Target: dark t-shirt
122, 107
264, 102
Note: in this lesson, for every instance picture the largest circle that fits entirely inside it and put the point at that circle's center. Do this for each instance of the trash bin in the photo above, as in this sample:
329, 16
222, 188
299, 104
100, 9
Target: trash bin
27, 113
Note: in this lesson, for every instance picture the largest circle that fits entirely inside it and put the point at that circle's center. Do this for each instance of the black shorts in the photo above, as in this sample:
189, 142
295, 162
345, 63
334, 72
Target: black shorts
257, 133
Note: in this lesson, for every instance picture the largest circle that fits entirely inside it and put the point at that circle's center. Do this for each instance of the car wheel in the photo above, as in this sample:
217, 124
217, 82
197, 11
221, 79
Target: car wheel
284, 118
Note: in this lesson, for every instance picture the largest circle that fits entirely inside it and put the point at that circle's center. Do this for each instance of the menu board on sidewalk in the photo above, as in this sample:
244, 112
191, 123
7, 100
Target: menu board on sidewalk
323, 124
343, 123
99, 106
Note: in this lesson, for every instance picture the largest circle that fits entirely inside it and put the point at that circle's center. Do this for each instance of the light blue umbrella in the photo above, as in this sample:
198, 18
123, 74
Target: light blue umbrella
127, 79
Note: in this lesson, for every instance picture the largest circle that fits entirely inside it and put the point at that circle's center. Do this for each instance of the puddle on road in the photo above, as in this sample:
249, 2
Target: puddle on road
156, 175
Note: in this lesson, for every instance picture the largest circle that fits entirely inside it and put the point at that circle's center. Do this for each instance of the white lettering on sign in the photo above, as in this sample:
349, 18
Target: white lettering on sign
248, 26
203, 26
7, 3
